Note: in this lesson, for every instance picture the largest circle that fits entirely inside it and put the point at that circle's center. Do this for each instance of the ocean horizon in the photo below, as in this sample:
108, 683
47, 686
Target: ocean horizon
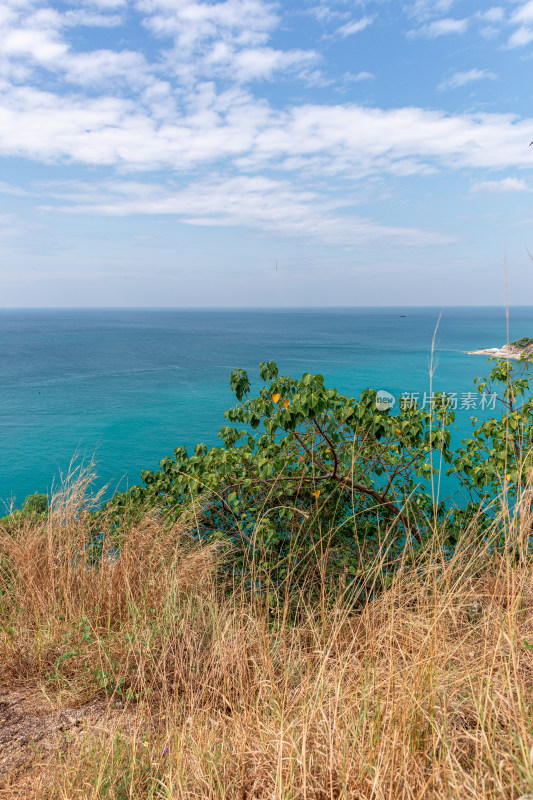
125, 386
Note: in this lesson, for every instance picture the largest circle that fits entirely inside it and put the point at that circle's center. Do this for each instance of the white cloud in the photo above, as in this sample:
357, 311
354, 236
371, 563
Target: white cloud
225, 39
325, 13
355, 140
441, 27
523, 18
360, 76
36, 39
354, 26
38, 45
10, 226
115, 131
489, 32
505, 185
187, 113
523, 14
521, 37
432, 19
100, 67
91, 19
423, 10
107, 4
217, 127
190, 23
20, 5
258, 202
258, 63
494, 14
462, 78
14, 191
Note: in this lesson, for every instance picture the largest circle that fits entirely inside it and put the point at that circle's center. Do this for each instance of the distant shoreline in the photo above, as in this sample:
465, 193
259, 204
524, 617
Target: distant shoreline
507, 351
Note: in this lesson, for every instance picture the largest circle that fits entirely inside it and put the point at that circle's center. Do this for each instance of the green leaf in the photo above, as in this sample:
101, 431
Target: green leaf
239, 383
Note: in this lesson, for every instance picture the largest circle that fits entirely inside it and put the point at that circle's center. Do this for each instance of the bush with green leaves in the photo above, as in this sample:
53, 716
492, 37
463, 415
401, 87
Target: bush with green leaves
35, 505
496, 461
525, 341
301, 464
303, 471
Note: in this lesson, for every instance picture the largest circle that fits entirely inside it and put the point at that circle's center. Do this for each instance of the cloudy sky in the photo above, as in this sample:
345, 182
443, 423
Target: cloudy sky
169, 152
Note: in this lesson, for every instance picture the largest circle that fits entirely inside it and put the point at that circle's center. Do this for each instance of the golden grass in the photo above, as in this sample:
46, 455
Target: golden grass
425, 692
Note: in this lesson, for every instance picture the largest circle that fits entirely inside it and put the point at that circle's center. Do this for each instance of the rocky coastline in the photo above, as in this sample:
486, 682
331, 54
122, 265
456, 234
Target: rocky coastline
514, 350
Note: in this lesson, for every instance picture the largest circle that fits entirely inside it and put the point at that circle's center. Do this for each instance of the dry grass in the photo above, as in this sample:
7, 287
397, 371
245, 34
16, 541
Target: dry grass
426, 692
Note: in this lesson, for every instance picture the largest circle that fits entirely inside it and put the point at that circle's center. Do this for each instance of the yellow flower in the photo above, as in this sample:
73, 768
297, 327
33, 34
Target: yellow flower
145, 744
508, 477
398, 431
275, 397
286, 402
316, 494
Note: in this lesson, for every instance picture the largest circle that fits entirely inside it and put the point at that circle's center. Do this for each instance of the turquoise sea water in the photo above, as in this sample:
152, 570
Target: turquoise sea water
128, 386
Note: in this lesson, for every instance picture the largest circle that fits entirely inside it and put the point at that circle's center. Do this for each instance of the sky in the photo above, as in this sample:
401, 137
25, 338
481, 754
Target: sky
228, 153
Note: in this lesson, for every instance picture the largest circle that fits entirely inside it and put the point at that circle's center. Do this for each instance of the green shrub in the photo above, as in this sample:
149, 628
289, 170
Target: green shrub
523, 342
303, 469
34, 505
300, 460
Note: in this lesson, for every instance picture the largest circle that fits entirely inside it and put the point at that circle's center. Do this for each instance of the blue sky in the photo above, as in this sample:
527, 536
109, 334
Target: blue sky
169, 152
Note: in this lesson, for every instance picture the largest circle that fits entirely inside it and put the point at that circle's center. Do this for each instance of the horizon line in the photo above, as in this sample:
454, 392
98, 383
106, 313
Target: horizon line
502, 306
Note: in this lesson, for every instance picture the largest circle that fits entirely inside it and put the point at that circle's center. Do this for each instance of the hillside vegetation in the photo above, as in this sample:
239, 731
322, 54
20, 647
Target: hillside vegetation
291, 615
525, 341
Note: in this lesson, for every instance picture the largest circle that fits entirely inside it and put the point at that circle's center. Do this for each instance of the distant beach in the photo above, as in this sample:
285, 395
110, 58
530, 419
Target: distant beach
495, 352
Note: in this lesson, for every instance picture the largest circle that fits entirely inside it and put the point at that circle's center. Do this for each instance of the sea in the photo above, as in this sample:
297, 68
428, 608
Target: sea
123, 387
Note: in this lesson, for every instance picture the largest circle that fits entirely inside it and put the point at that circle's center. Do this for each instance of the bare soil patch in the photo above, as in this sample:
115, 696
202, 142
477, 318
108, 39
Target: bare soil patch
33, 732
